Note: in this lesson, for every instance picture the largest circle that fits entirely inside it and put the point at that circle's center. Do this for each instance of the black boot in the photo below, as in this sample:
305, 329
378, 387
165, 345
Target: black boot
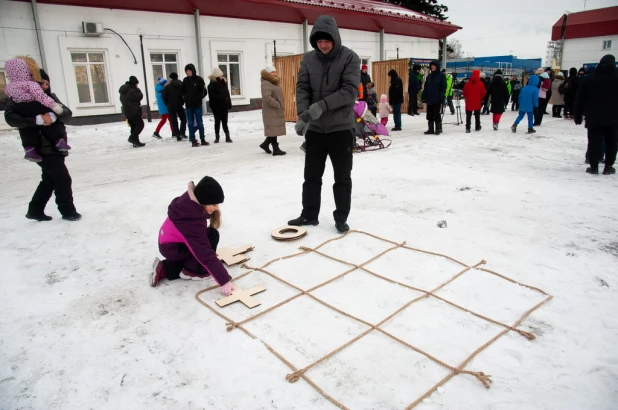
438, 127
342, 227
41, 217
265, 145
430, 130
592, 170
156, 135
136, 142
276, 150
302, 221
216, 138
227, 137
609, 170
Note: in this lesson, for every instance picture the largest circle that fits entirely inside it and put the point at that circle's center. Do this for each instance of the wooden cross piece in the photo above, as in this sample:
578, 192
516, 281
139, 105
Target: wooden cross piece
242, 295
233, 256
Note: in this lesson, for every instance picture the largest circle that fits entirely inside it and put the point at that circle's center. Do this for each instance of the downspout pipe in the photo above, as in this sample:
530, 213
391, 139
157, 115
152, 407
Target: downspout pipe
39, 33
198, 43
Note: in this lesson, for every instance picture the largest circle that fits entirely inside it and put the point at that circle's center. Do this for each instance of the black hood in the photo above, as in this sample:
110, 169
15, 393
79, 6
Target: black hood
190, 67
573, 72
393, 74
436, 63
607, 65
328, 25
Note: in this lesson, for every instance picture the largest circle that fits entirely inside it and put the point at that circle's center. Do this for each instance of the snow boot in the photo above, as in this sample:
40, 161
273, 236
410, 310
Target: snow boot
531, 131
607, 171
467, 130
38, 217
514, 127
194, 143
156, 135
303, 147
276, 150
302, 221
216, 138
32, 155
72, 216
136, 142
178, 137
592, 170
227, 137
204, 142
342, 227
265, 145
61, 145
477, 128
430, 130
495, 126
157, 273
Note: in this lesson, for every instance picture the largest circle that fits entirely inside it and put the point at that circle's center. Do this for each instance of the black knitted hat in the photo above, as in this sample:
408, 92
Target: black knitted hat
133, 80
209, 192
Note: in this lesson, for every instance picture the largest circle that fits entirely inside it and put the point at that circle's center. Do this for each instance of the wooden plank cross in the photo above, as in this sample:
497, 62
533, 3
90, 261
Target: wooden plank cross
242, 295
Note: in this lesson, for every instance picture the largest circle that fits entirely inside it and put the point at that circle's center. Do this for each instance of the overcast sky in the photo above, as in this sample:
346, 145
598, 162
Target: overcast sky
520, 27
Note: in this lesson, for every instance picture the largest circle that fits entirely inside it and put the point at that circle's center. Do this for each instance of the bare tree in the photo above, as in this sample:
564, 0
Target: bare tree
453, 49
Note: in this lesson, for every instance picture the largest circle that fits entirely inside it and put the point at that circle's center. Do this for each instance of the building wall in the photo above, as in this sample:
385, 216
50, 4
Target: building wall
577, 52
252, 41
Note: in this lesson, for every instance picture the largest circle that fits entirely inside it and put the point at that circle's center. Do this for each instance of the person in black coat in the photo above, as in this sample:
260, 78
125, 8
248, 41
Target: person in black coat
570, 90
499, 95
194, 91
131, 99
414, 86
174, 101
433, 94
365, 79
395, 98
597, 99
55, 177
220, 102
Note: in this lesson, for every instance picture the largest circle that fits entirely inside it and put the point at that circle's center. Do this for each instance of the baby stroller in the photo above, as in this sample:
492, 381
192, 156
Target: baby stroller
368, 129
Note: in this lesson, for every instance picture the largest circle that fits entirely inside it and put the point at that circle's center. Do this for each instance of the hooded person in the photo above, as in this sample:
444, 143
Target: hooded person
220, 102
55, 177
557, 91
193, 92
597, 99
395, 98
273, 110
434, 94
365, 79
162, 108
173, 100
131, 98
326, 91
570, 90
474, 92
188, 241
414, 86
528, 103
498, 94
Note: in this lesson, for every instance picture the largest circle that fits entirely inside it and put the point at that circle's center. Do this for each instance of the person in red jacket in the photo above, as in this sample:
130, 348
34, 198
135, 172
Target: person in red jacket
474, 92
186, 240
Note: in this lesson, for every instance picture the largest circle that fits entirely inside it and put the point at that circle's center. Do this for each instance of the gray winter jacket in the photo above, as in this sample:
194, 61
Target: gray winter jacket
331, 80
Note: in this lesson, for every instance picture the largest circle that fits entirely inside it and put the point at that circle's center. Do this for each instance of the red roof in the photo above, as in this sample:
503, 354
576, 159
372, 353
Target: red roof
591, 23
365, 15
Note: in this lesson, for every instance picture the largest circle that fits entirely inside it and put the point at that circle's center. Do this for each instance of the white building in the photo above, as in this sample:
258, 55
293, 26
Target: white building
236, 35
585, 37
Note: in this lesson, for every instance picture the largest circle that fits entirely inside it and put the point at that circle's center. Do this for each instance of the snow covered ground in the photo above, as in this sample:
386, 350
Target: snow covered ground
81, 329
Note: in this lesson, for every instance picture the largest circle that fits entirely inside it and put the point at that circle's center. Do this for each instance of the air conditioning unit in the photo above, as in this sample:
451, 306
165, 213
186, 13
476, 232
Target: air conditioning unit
92, 29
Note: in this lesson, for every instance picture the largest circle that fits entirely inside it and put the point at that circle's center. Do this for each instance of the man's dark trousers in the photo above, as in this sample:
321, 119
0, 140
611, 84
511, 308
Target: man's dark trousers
338, 146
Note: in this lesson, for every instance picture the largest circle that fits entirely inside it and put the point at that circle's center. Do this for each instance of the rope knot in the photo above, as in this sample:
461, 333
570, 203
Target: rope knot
244, 265
294, 377
483, 378
530, 336
304, 248
230, 326
404, 243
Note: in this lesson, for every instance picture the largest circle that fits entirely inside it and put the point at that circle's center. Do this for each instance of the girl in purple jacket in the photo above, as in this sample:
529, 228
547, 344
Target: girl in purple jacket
187, 242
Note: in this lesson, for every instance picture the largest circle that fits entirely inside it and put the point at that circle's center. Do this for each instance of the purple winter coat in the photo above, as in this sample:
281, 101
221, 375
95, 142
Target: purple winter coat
186, 223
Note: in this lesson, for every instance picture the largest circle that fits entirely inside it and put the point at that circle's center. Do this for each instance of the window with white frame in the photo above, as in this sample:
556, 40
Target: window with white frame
229, 63
163, 64
90, 77
3, 97
607, 45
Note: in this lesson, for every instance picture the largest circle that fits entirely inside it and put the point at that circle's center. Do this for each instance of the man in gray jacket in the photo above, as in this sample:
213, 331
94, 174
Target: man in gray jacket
326, 90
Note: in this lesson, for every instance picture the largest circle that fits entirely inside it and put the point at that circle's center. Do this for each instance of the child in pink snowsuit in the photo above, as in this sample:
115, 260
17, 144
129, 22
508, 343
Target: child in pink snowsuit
188, 243
385, 109
32, 101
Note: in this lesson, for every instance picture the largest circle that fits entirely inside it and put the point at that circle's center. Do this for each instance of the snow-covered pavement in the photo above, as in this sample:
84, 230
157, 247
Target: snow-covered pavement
81, 329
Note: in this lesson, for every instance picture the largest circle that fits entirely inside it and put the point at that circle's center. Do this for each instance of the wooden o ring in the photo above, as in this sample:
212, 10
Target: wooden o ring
288, 233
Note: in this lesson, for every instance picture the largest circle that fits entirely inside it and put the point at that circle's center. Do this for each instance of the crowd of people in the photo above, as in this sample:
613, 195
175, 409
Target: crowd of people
329, 84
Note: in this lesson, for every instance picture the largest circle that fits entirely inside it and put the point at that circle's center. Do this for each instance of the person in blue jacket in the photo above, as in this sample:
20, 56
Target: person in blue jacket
165, 116
528, 102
